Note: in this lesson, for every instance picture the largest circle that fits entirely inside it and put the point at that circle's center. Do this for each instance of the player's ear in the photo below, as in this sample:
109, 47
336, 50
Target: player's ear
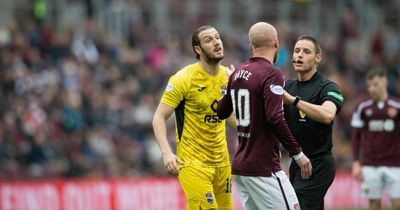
250, 48
276, 43
197, 49
318, 58
385, 81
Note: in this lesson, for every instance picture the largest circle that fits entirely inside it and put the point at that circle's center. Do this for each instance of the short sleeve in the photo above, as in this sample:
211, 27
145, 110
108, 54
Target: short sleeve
176, 89
331, 92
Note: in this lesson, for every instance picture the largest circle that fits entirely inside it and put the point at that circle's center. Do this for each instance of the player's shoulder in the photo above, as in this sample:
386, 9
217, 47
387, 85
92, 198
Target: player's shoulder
324, 81
290, 82
394, 102
364, 104
271, 71
186, 72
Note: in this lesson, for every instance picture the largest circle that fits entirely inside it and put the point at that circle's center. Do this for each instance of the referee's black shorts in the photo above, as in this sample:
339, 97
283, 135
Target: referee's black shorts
311, 192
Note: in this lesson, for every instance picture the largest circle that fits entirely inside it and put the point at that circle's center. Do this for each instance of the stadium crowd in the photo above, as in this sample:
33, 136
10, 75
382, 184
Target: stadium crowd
76, 102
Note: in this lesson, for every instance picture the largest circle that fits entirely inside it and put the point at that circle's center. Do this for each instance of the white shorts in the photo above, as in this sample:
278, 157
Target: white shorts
274, 192
378, 178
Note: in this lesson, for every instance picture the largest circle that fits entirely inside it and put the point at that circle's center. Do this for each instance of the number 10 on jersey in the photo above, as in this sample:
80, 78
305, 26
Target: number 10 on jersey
241, 105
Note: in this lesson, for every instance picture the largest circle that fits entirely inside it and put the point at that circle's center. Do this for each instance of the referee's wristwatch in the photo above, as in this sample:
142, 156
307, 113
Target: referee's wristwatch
296, 101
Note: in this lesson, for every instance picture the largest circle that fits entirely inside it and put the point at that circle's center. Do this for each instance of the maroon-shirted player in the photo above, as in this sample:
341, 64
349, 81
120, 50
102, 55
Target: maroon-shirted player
376, 142
255, 96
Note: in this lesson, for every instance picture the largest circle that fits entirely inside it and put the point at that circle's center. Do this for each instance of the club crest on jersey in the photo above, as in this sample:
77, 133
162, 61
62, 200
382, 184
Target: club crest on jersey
209, 198
392, 112
169, 87
223, 90
276, 89
302, 114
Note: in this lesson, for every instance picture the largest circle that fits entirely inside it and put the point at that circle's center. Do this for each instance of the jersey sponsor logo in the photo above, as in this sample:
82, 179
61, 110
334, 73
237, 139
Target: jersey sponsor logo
201, 89
336, 95
214, 105
381, 125
213, 118
276, 89
169, 87
244, 135
209, 198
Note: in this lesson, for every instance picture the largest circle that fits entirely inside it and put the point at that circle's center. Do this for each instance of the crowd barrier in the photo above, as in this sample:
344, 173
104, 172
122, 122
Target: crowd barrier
147, 193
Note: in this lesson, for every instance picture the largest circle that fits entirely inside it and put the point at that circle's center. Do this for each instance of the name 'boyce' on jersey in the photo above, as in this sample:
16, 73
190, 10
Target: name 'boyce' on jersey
254, 96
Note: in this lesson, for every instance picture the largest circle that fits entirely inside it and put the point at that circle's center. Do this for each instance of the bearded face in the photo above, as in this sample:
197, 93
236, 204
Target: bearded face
210, 47
212, 56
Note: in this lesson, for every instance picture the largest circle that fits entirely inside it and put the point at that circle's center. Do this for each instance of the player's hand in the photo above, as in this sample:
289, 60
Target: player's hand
287, 98
356, 171
305, 165
230, 70
170, 163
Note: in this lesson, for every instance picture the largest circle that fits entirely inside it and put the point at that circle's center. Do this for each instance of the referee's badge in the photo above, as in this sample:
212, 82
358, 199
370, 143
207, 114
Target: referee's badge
209, 198
302, 114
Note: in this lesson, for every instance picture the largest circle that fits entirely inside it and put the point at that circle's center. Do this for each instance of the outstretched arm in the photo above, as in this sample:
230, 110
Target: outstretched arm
324, 113
160, 118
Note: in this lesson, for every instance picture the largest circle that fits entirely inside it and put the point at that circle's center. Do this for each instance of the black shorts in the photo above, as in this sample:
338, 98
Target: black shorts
311, 192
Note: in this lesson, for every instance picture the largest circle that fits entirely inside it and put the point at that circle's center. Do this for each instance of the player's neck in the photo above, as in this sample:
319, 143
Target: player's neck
264, 53
212, 69
383, 97
306, 75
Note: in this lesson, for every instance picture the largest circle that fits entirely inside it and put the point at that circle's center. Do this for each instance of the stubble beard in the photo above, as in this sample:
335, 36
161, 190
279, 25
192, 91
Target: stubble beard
211, 59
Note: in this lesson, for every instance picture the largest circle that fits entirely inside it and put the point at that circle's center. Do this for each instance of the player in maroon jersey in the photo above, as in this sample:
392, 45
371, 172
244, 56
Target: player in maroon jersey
376, 142
255, 96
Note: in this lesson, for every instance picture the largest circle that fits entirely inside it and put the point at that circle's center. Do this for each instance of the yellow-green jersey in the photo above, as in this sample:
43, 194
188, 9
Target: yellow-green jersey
200, 135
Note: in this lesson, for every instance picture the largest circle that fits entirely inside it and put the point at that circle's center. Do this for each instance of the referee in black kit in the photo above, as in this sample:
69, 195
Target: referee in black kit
311, 104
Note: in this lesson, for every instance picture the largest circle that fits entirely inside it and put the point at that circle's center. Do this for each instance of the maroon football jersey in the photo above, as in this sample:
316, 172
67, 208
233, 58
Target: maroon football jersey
376, 132
254, 95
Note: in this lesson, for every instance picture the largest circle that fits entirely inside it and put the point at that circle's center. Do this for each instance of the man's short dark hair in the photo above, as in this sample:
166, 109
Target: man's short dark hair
313, 40
196, 39
375, 72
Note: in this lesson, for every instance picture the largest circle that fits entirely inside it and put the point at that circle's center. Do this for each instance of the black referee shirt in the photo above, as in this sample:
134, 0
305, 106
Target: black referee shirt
315, 138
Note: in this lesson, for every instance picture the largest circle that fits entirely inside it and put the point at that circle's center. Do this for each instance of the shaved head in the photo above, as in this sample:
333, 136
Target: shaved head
263, 35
